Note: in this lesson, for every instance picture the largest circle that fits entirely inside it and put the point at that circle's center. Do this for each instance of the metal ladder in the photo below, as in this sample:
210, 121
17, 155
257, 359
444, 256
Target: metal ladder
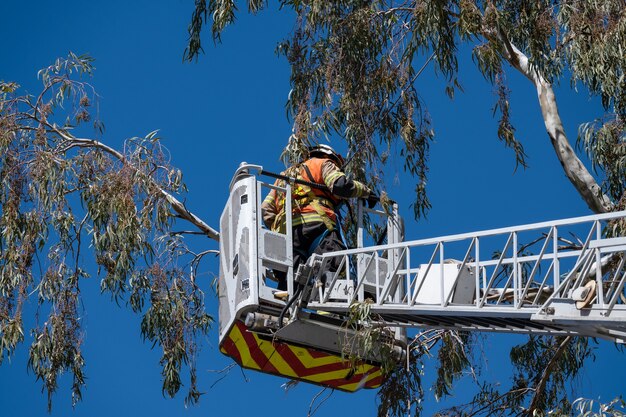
523, 279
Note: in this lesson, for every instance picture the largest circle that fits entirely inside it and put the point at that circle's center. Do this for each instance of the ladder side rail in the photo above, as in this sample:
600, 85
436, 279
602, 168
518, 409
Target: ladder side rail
466, 327
458, 274
531, 277
531, 258
536, 258
486, 233
493, 275
527, 259
609, 242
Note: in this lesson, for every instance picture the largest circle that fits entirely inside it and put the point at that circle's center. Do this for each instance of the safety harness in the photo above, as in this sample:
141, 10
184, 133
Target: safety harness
303, 195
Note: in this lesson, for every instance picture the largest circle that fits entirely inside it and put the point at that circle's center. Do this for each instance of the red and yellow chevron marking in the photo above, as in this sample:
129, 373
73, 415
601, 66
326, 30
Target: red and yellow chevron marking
310, 365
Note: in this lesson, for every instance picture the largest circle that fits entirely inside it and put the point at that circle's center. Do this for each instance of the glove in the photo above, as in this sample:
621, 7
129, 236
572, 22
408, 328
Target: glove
372, 199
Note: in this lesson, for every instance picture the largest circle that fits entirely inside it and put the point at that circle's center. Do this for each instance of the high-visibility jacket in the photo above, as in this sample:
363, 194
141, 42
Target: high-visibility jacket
309, 204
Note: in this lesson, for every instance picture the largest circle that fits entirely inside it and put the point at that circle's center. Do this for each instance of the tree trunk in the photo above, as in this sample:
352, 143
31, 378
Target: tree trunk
574, 169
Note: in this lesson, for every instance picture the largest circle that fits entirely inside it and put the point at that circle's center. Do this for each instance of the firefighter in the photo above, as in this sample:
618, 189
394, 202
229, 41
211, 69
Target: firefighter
314, 210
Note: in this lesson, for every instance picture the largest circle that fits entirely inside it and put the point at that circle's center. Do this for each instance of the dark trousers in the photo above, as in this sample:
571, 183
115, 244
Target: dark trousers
304, 236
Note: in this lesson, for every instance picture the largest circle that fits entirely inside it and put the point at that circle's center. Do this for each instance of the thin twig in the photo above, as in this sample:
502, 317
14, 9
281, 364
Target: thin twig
245, 378
224, 371
313, 411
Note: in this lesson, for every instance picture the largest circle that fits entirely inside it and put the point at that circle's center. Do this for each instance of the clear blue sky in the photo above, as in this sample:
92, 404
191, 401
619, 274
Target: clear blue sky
227, 108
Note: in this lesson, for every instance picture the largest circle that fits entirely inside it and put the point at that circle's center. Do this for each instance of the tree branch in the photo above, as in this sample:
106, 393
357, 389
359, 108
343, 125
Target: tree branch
518, 392
546, 374
177, 206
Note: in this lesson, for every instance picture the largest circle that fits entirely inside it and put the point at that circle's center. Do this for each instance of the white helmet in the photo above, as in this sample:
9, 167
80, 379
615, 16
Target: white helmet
326, 151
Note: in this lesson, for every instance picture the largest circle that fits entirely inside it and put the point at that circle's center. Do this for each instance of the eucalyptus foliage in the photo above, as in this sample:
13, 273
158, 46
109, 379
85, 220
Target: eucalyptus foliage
355, 64
590, 408
354, 75
64, 199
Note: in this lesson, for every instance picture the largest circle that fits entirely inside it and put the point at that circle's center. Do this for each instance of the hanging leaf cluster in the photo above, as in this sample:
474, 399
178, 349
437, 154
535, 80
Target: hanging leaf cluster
65, 200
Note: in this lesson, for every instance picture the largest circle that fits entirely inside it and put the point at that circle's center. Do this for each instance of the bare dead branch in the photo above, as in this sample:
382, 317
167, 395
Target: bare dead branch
224, 373
313, 411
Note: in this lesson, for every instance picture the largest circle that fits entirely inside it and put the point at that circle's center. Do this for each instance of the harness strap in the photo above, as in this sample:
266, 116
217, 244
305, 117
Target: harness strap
316, 201
317, 242
303, 195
